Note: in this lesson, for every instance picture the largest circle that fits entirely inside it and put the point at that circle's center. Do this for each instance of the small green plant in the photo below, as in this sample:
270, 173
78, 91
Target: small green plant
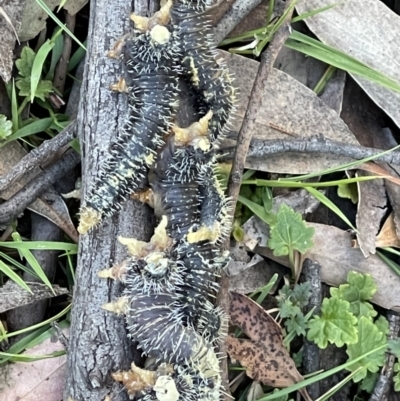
290, 234
5, 127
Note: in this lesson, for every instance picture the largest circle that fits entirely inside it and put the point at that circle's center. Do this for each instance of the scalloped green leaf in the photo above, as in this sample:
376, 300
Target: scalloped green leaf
5, 127
359, 290
290, 233
336, 325
369, 337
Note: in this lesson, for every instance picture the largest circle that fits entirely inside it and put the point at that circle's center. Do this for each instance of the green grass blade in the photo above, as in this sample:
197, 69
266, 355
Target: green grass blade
30, 129
31, 358
58, 22
311, 13
23, 343
265, 290
329, 204
36, 326
295, 184
42, 245
14, 262
27, 254
14, 276
55, 54
338, 386
314, 48
76, 58
37, 66
318, 377
14, 108
258, 210
393, 265
341, 167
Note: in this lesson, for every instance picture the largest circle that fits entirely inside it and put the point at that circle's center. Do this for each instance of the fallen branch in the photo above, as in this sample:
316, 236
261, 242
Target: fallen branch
36, 156
10, 209
243, 142
262, 148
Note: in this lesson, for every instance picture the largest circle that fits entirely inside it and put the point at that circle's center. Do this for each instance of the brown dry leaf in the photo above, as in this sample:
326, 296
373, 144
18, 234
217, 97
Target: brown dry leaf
333, 250
387, 235
41, 380
378, 170
264, 355
372, 207
288, 110
367, 30
10, 22
49, 205
12, 295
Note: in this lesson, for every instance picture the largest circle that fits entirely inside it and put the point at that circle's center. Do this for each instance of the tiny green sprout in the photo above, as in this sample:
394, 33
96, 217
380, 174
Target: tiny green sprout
5, 127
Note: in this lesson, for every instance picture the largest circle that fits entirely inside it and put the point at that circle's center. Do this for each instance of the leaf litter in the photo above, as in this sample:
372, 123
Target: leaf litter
264, 355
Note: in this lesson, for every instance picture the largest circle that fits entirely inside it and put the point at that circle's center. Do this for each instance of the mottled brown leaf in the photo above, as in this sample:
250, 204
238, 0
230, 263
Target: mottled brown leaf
273, 369
254, 321
264, 355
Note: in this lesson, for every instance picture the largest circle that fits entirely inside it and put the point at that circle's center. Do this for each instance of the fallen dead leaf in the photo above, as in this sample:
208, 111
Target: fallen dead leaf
264, 355
288, 110
367, 30
333, 250
12, 295
40, 380
387, 235
371, 209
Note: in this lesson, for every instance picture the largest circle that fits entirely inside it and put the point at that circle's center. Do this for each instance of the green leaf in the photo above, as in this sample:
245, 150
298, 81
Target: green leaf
348, 191
382, 324
369, 382
32, 128
301, 294
25, 63
394, 347
258, 210
27, 254
14, 276
396, 377
329, 204
336, 324
369, 337
358, 291
296, 324
288, 310
290, 233
37, 68
5, 127
42, 245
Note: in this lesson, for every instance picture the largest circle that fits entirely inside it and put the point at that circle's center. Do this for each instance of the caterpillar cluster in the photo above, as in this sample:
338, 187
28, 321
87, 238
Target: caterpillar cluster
170, 281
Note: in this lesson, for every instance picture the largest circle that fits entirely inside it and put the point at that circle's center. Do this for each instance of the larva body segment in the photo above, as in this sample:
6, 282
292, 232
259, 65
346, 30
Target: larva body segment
208, 75
152, 71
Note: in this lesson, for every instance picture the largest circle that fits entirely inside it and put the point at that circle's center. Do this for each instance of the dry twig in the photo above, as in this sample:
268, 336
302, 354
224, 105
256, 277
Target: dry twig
10, 209
36, 156
243, 142
262, 148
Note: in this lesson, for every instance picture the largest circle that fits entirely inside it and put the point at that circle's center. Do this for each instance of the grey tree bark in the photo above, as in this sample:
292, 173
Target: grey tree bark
98, 342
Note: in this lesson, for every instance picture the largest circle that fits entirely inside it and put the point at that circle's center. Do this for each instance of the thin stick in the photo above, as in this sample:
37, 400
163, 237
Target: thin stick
262, 148
243, 143
36, 156
10, 209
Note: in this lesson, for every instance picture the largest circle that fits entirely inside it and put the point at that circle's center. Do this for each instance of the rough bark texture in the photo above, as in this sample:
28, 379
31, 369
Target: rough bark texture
98, 341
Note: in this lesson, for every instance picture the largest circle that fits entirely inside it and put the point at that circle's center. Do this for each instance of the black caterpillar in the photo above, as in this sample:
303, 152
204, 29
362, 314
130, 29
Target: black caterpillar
208, 75
170, 281
152, 63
